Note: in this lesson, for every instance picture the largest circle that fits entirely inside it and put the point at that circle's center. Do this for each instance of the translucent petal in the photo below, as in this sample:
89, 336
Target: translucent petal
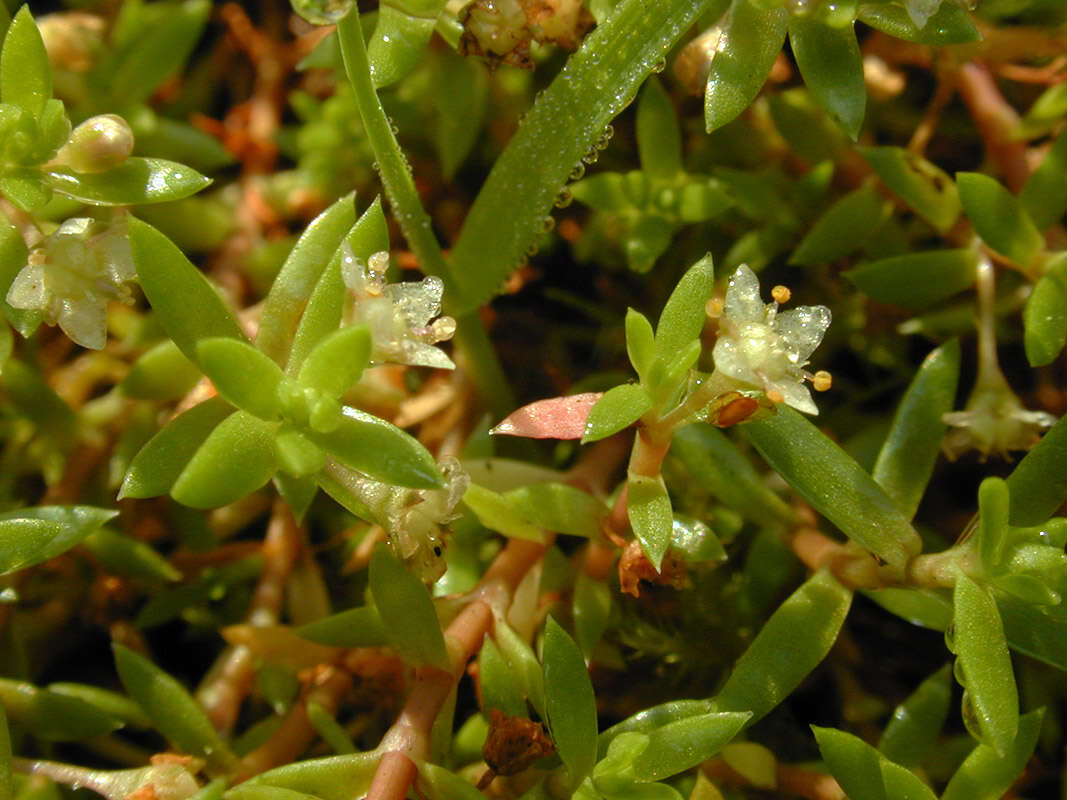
798, 396
743, 302
417, 301
28, 290
84, 321
802, 329
920, 11
731, 359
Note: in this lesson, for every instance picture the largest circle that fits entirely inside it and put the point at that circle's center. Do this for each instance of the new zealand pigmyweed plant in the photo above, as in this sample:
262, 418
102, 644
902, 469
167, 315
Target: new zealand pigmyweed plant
334, 469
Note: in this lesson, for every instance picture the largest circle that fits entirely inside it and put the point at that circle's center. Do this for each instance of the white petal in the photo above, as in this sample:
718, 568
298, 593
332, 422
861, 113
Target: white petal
798, 396
731, 360
85, 322
743, 302
417, 302
28, 290
802, 329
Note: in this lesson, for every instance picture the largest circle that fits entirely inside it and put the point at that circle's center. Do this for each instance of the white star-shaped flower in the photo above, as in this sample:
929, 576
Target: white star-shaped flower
762, 348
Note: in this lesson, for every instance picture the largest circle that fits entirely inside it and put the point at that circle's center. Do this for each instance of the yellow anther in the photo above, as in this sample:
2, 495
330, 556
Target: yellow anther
781, 294
822, 380
714, 307
775, 396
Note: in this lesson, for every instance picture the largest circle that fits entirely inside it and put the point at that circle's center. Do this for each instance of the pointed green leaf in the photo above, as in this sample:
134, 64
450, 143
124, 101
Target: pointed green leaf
381, 450
461, 95
497, 514
591, 608
332, 778
236, 459
951, 24
29, 536
999, 217
1043, 196
913, 731
558, 507
659, 141
186, 304
925, 188
157, 466
569, 703
53, 716
830, 63
406, 611
982, 651
400, 37
835, 485
1038, 483
298, 492
523, 664
1045, 317
160, 374
788, 647
134, 182
128, 557
25, 74
986, 774
864, 772
356, 627
497, 682
916, 280
172, 710
619, 408
906, 460
25, 189
649, 508
337, 361
301, 272
993, 502
752, 37
844, 227
242, 374
648, 239
640, 342
685, 743
684, 314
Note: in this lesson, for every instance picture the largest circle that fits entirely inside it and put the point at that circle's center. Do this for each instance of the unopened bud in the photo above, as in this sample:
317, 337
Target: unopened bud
97, 145
72, 39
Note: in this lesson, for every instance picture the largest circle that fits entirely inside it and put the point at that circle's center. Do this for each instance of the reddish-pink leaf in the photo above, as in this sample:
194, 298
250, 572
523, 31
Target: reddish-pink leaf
554, 418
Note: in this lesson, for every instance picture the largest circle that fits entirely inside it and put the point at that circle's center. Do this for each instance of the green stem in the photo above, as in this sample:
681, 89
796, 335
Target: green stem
481, 361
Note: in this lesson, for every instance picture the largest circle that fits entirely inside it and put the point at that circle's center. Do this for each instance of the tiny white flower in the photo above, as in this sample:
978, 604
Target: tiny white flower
920, 11
399, 314
994, 422
72, 276
761, 348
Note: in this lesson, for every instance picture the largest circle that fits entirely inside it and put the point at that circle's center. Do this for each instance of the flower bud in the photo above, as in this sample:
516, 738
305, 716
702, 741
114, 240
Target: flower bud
72, 39
97, 145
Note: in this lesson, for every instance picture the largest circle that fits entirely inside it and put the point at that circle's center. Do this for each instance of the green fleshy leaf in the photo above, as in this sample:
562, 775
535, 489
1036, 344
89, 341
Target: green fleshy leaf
523, 664
1038, 484
649, 508
982, 652
647, 240
993, 502
913, 731
113, 704
128, 557
569, 702
400, 37
161, 374
659, 141
591, 608
864, 772
332, 778
986, 774
926, 607
298, 492
834, 484
186, 304
461, 97
685, 743
925, 188
29, 536
752, 37
949, 25
606, 191
242, 374
497, 514
172, 710
356, 627
906, 460
53, 716
999, 218
406, 611
337, 361
381, 450
788, 647
1045, 315
236, 459
25, 74
560, 508
212, 584
832, 67
497, 682
297, 279
134, 182
1043, 196
683, 316
640, 342
25, 188
159, 463
844, 227
619, 408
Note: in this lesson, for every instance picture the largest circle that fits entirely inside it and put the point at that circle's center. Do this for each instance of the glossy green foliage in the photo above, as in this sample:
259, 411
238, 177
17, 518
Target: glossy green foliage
25, 76
29, 536
999, 218
907, 457
338, 361
864, 772
496, 513
844, 227
235, 459
569, 702
916, 280
619, 408
1045, 315
986, 774
162, 373
242, 374
499, 688
685, 743
682, 318
172, 710
134, 182
649, 508
950, 24
991, 702
828, 56
640, 342
400, 37
833, 483
915, 727
591, 608
53, 716
659, 140
1042, 197
752, 37
1038, 487
406, 611
356, 627
528, 672
921, 185
788, 647
331, 778
128, 557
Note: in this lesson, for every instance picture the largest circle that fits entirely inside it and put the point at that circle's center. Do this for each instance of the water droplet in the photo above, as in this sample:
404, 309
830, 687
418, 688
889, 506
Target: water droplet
591, 157
564, 198
323, 12
950, 637
393, 126
660, 65
531, 251
547, 224
577, 172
